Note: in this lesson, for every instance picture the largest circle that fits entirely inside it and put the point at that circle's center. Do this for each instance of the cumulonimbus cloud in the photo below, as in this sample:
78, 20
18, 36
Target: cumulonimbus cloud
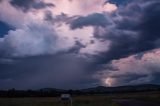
96, 36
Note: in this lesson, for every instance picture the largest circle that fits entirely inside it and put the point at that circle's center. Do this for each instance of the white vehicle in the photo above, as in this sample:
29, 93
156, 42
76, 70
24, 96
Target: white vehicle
66, 98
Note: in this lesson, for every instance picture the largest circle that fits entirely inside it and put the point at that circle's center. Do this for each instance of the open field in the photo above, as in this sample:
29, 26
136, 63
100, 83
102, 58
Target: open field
126, 99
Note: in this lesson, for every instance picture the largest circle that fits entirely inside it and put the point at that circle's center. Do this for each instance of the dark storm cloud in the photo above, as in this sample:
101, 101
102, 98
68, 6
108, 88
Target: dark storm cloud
25, 5
135, 29
96, 19
135, 33
132, 29
46, 71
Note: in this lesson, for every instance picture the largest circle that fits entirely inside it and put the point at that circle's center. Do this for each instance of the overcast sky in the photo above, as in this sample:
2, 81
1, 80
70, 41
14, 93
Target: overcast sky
73, 44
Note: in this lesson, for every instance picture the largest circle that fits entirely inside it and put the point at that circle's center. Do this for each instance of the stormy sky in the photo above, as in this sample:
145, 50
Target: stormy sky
72, 44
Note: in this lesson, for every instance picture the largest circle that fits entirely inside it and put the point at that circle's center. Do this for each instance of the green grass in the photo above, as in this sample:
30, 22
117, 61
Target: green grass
87, 100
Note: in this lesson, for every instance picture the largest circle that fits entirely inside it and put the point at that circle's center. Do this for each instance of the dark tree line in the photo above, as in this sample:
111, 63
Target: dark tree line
51, 92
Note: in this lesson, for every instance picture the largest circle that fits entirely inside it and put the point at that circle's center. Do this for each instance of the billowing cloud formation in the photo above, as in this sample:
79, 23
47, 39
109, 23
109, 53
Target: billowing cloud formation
75, 44
130, 34
37, 39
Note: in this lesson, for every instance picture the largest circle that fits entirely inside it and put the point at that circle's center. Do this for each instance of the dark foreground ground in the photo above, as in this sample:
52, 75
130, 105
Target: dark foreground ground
121, 99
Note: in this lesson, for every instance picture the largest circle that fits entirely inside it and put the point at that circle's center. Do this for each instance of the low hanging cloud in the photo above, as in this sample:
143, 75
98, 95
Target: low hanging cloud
134, 69
62, 70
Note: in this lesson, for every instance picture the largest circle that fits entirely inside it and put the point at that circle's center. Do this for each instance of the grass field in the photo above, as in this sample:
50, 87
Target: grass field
126, 99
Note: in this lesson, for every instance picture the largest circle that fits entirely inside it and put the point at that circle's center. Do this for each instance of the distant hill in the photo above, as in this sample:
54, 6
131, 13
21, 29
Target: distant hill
103, 89
130, 88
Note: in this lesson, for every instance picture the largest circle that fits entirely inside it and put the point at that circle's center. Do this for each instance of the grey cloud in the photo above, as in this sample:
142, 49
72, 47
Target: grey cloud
132, 29
25, 5
133, 33
96, 19
62, 18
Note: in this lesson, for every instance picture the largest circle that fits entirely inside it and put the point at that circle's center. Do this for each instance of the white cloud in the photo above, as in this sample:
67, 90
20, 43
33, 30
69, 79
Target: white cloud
11, 15
35, 36
79, 7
